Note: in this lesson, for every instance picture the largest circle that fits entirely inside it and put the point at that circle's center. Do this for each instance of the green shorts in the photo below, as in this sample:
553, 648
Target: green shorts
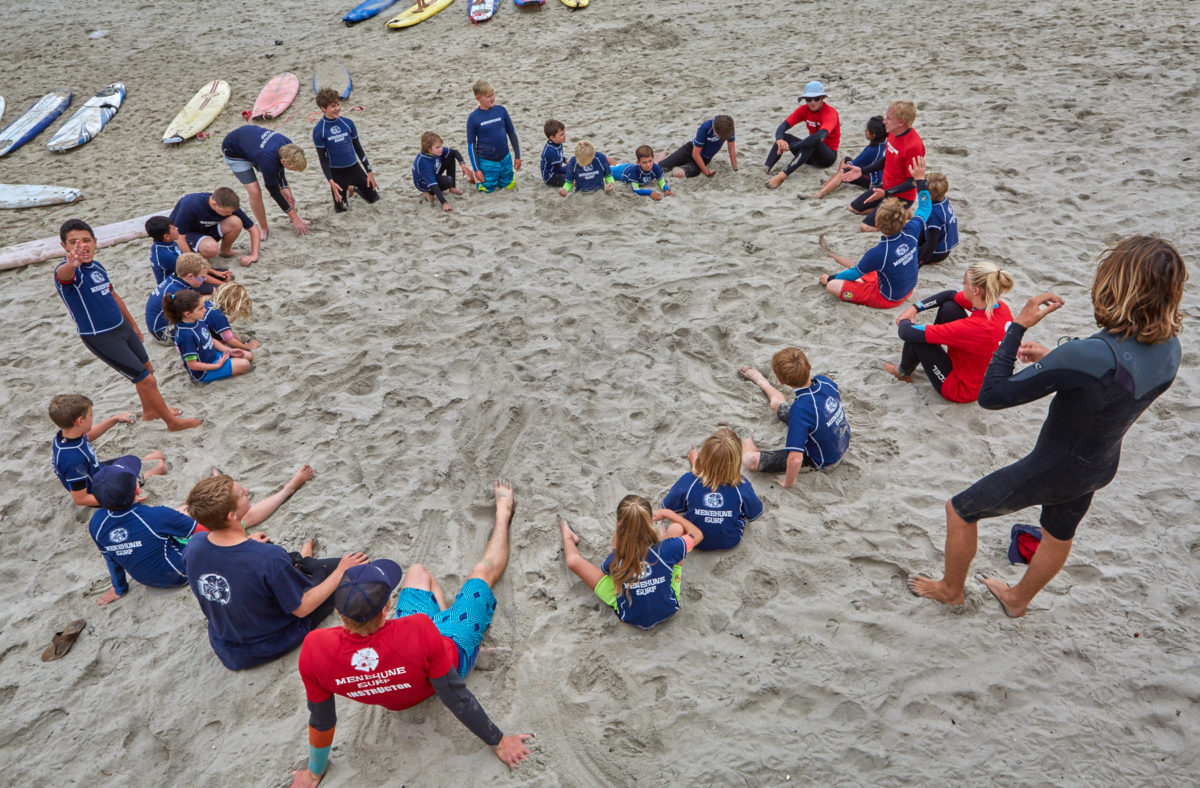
608, 592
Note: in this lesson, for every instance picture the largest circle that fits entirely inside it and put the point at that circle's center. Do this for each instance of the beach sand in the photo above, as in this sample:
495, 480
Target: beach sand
578, 347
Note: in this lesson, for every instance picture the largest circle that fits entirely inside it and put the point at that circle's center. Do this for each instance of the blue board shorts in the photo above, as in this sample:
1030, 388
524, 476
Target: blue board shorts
226, 371
496, 174
464, 622
242, 170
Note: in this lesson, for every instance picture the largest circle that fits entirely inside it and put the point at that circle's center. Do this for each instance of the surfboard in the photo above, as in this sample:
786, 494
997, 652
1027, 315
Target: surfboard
482, 10
366, 10
527, 3
1, 106
39, 116
29, 196
202, 110
334, 76
575, 5
50, 249
276, 96
411, 16
89, 120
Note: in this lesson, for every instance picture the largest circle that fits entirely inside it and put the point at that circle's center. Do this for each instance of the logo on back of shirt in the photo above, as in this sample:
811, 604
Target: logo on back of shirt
118, 535
714, 500
365, 660
214, 588
901, 250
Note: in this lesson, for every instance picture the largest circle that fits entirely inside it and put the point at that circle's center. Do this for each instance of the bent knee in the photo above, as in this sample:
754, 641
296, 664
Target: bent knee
834, 287
418, 577
750, 460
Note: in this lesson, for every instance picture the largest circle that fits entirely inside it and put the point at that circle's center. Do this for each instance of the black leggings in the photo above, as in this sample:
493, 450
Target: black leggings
806, 151
316, 570
933, 358
682, 158
356, 176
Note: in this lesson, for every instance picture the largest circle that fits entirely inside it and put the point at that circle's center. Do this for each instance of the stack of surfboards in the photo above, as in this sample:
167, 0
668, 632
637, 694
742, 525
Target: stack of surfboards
90, 119
202, 110
29, 125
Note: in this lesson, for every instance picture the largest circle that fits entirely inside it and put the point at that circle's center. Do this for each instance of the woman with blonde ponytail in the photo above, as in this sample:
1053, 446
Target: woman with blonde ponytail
969, 323
640, 578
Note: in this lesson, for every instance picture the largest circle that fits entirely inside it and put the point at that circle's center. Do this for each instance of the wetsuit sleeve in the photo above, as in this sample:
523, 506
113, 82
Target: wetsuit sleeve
323, 157
462, 704
275, 181
472, 132
322, 719
903, 186
452, 153
875, 166
117, 575
789, 121
912, 332
930, 244
873, 260
1061, 368
935, 300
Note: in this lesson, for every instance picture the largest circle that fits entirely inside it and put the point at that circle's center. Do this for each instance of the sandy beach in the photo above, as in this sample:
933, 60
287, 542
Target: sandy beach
578, 347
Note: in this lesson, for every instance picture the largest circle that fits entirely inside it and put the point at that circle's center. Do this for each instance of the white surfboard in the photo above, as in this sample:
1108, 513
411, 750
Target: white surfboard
198, 113
1, 106
39, 116
29, 196
90, 119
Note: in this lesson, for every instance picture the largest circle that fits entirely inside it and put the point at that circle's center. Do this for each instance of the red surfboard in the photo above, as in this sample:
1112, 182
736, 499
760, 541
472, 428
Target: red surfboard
276, 96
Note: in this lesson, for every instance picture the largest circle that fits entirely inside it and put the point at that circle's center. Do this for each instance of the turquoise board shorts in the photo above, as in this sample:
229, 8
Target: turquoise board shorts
226, 371
464, 622
496, 174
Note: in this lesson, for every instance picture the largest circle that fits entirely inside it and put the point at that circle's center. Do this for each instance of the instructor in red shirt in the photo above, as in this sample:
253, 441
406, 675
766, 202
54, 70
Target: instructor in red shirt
904, 146
819, 148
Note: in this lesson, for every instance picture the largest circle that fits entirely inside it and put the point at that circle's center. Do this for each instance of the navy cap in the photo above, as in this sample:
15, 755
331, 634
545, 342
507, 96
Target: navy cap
115, 484
365, 589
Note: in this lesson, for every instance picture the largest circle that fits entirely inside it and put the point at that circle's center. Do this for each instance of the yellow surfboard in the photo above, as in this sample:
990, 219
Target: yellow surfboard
198, 113
576, 3
412, 16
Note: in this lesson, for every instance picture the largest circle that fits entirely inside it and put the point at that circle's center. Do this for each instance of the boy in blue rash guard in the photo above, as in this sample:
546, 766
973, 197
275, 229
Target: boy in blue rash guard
342, 158
554, 163
643, 175
714, 495
144, 541
587, 171
433, 170
941, 228
71, 453
818, 432
887, 274
163, 249
189, 273
868, 157
249, 148
489, 132
692, 157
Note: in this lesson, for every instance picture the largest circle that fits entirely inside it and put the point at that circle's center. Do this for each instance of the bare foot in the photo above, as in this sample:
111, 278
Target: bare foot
454, 190
157, 470
692, 455
894, 371
1003, 594
184, 424
821, 241
775, 182
310, 544
228, 253
934, 589
152, 417
108, 597
299, 479
678, 173
505, 501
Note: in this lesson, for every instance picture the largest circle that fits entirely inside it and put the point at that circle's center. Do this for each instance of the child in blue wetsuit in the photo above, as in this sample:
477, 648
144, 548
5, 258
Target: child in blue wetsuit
206, 359
643, 175
489, 132
692, 157
818, 432
433, 170
189, 273
554, 163
714, 495
587, 171
342, 158
941, 228
163, 249
876, 135
640, 578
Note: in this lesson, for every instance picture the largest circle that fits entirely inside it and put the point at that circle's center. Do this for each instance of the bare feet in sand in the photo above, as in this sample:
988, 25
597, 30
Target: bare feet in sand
894, 371
1004, 595
157, 470
454, 190
505, 502
310, 544
174, 412
299, 479
934, 589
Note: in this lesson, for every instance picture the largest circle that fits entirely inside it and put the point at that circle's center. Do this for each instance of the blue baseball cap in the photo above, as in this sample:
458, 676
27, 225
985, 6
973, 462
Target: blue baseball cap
813, 89
115, 484
365, 589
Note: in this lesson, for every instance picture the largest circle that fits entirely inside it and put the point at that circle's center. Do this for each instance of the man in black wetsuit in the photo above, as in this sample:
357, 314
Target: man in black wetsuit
1103, 384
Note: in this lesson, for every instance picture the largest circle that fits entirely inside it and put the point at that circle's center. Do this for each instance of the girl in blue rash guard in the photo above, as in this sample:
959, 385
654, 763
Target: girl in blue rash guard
876, 148
640, 578
205, 359
433, 170
714, 495
1101, 384
231, 302
643, 175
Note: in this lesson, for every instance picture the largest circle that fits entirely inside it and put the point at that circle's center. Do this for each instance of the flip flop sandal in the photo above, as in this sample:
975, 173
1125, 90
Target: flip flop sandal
61, 643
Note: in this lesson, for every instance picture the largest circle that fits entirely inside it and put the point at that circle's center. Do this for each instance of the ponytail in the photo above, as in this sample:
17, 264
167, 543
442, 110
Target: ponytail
179, 303
993, 280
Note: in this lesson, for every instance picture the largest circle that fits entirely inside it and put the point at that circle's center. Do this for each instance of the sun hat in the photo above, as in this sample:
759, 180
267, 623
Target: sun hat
813, 89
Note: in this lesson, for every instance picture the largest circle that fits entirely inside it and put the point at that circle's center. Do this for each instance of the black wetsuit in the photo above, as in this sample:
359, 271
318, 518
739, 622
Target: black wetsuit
1103, 384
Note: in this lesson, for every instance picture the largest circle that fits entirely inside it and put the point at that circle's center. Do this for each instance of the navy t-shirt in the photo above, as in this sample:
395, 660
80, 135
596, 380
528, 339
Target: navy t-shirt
195, 344
193, 214
74, 461
215, 320
163, 258
89, 299
247, 592
720, 514
707, 140
817, 423
651, 599
143, 541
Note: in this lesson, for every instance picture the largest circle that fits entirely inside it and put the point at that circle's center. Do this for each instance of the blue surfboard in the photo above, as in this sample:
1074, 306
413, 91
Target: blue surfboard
43, 112
482, 10
366, 10
331, 76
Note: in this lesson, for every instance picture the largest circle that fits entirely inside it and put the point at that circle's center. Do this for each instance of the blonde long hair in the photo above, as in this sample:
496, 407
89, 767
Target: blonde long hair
993, 280
232, 299
635, 536
1138, 289
719, 462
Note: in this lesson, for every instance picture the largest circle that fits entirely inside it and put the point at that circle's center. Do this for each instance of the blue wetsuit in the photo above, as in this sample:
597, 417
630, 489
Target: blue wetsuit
156, 321
868, 157
593, 177
343, 160
641, 180
432, 174
554, 165
1102, 385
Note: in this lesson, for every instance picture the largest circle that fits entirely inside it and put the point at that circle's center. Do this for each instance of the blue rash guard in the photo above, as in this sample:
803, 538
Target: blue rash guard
641, 179
156, 321
488, 135
868, 156
89, 299
337, 145
941, 231
74, 461
590, 178
895, 257
145, 541
707, 140
260, 147
163, 257
720, 514
554, 164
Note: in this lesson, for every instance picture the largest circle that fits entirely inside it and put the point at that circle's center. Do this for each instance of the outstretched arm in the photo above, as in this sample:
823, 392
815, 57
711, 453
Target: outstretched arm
462, 704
